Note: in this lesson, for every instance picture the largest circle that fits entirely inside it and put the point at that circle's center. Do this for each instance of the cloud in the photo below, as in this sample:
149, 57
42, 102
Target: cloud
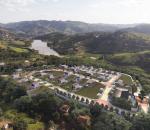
20, 5
55, 0
16, 5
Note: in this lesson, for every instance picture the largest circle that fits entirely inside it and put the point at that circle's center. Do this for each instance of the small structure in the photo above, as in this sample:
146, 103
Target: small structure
77, 86
51, 76
90, 81
64, 109
43, 73
35, 85
120, 83
27, 62
16, 76
2, 63
86, 120
62, 80
122, 92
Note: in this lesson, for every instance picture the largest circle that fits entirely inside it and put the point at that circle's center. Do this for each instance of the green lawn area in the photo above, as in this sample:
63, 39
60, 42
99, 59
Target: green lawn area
57, 73
19, 50
18, 43
36, 126
90, 92
127, 79
40, 90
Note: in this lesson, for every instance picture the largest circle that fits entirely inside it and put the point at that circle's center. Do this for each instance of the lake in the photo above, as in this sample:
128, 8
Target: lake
42, 48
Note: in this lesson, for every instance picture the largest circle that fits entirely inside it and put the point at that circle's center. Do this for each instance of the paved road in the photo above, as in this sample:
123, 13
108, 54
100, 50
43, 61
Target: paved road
104, 98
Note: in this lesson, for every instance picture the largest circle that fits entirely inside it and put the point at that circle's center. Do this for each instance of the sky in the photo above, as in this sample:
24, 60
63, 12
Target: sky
91, 11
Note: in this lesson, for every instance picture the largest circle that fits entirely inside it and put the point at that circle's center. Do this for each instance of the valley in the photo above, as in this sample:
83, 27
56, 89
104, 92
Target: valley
65, 76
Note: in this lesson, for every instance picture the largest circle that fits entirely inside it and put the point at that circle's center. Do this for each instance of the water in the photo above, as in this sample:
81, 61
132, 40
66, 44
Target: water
42, 48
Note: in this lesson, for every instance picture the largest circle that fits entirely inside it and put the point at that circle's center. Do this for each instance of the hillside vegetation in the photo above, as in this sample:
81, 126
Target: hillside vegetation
106, 43
141, 59
41, 27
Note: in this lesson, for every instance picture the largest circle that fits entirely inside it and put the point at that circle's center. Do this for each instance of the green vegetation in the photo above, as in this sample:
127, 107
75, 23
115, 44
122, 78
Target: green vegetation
36, 126
105, 43
121, 103
90, 92
126, 79
19, 50
41, 109
141, 59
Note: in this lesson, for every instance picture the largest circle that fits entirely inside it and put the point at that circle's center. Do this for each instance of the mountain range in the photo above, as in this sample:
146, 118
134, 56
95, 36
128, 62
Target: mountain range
41, 27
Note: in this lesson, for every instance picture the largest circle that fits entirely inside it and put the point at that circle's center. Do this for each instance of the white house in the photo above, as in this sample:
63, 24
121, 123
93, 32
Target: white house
2, 64
51, 76
16, 76
62, 80
77, 86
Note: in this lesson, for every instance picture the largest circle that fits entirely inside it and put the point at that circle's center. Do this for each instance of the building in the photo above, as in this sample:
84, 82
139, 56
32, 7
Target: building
121, 93
77, 86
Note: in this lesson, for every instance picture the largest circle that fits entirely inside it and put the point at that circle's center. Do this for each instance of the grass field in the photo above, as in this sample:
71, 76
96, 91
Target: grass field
127, 79
90, 92
19, 50
40, 90
36, 126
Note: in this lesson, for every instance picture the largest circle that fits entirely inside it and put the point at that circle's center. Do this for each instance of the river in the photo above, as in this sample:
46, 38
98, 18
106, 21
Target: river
42, 48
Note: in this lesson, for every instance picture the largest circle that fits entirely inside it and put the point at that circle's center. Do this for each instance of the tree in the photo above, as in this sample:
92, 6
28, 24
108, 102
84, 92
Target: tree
78, 98
96, 110
56, 116
141, 122
82, 99
24, 104
87, 101
73, 96
142, 95
20, 125
110, 121
46, 104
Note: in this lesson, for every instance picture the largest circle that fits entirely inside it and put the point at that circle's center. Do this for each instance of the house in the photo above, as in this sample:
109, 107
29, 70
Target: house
120, 83
19, 70
122, 92
36, 80
47, 84
51, 76
2, 64
77, 86
23, 80
77, 79
31, 77
16, 76
27, 62
64, 108
90, 81
62, 80
64, 66
99, 94
35, 85
86, 120
43, 74
5, 125
66, 74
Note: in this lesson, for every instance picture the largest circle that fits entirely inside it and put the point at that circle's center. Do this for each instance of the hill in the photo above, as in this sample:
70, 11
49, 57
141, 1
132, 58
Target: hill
6, 35
41, 27
106, 43
141, 59
142, 28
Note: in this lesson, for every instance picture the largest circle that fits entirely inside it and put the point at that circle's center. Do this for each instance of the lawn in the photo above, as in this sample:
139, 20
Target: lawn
90, 92
39, 90
127, 79
19, 50
57, 73
36, 126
